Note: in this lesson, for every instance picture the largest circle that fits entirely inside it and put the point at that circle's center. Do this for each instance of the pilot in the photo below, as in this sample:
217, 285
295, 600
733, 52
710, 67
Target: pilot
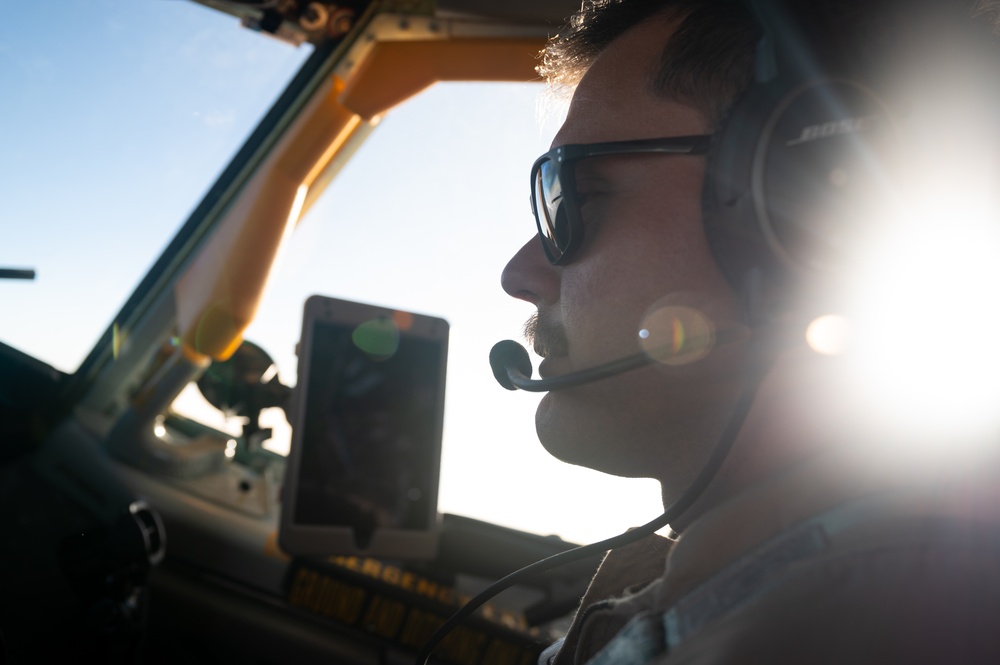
823, 536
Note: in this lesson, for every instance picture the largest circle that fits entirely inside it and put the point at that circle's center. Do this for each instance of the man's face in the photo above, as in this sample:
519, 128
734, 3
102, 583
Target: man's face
644, 253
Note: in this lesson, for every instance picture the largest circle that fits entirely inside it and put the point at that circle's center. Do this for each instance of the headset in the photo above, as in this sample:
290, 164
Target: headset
812, 145
816, 143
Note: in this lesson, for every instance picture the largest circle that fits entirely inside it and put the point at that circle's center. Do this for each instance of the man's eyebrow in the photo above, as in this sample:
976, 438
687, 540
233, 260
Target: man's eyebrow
594, 168
603, 169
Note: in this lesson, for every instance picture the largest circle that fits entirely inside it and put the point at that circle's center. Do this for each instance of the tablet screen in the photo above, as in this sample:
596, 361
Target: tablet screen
370, 431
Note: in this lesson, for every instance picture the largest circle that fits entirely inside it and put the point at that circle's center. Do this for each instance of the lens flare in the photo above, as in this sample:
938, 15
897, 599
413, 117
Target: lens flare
676, 335
828, 335
403, 320
378, 338
117, 340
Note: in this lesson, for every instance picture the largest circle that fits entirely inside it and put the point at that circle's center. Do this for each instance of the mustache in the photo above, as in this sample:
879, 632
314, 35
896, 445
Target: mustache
546, 337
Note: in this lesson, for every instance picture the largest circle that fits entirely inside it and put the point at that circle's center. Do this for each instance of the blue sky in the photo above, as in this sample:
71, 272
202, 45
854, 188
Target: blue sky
117, 117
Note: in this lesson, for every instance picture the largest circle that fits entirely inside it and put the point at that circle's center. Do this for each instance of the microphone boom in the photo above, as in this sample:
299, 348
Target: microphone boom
512, 369
512, 366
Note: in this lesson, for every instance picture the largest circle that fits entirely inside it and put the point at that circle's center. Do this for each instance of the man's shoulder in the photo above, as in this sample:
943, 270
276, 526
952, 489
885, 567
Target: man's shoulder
903, 576
932, 597
908, 575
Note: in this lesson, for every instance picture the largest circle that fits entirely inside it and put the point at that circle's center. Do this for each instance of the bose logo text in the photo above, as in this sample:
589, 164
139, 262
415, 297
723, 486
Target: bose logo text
834, 128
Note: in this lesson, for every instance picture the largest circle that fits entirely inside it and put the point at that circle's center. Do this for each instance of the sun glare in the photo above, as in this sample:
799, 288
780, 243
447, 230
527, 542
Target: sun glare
927, 316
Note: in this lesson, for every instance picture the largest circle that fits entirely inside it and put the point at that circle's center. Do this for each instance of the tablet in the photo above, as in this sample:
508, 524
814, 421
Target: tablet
368, 413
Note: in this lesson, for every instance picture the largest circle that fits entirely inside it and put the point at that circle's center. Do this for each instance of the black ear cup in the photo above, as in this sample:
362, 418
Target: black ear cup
793, 179
814, 155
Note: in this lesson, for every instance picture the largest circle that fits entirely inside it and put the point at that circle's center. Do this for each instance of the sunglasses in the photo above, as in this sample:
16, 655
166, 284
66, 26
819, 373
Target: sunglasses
554, 200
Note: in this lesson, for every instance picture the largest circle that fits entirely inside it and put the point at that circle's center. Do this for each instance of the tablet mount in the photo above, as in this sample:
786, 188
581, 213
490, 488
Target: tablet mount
245, 385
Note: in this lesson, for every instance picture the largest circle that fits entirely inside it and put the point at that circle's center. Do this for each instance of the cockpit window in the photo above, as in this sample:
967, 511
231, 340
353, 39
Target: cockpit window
116, 118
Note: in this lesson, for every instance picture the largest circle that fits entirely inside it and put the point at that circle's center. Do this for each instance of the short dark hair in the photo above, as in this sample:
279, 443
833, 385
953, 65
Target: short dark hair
706, 64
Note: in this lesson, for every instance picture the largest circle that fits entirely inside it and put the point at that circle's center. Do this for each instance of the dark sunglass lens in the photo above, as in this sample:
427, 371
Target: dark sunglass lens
550, 212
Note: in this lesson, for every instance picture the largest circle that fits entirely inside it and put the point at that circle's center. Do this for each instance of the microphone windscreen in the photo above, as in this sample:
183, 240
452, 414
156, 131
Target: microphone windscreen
509, 353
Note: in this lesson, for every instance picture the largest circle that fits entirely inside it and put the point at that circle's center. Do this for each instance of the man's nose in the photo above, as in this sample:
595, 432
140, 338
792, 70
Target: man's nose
529, 275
